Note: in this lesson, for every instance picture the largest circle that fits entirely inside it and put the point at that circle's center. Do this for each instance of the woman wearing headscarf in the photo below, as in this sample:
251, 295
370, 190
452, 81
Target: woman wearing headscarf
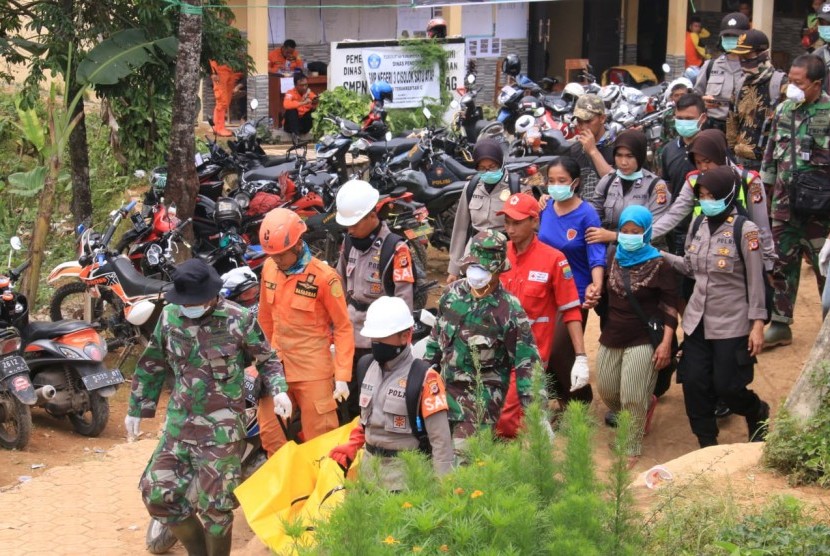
641, 289
724, 319
482, 198
630, 184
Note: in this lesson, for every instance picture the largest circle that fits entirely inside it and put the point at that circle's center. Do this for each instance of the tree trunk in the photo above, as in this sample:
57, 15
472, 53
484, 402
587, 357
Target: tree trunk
41, 231
79, 160
182, 179
805, 396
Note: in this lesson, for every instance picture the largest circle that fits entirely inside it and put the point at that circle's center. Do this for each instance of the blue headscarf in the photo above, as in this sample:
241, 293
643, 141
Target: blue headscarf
641, 216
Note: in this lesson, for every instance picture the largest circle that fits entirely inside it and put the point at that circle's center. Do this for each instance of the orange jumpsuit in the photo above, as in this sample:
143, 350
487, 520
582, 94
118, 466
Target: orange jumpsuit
276, 61
301, 314
223, 84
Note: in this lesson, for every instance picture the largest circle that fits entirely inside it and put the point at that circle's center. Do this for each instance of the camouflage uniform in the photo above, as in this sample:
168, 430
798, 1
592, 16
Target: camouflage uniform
491, 333
204, 427
795, 235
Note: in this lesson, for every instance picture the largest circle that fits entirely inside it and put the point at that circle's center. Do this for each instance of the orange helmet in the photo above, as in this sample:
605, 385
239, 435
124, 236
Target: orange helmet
280, 230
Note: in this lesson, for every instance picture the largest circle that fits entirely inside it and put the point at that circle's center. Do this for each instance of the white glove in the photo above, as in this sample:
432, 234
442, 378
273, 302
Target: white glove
579, 372
341, 390
282, 405
133, 426
824, 257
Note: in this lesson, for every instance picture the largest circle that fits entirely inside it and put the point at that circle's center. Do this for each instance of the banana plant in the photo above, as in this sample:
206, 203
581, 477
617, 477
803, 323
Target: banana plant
106, 64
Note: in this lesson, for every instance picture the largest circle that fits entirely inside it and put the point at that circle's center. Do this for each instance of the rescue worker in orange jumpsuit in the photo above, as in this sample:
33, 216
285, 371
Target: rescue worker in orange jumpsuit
285, 58
302, 310
543, 282
299, 103
224, 82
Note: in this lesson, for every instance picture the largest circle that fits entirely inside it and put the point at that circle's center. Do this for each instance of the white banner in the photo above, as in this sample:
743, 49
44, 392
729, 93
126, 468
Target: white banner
357, 64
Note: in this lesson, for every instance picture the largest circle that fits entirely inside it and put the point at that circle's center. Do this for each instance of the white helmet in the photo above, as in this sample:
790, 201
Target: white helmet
524, 123
355, 200
573, 89
387, 316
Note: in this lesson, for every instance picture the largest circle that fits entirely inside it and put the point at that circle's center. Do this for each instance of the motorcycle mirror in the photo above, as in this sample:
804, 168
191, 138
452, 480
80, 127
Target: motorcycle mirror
388, 136
427, 113
16, 243
471, 79
254, 104
454, 104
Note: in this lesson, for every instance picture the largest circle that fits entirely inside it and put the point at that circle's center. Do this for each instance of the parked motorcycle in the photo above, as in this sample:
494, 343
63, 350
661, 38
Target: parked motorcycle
65, 360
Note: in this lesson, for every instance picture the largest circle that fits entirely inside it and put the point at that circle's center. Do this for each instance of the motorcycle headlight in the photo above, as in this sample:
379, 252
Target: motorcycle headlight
242, 200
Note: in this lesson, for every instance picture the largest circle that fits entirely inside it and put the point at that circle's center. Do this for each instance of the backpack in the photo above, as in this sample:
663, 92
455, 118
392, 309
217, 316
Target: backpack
513, 183
739, 229
387, 253
412, 395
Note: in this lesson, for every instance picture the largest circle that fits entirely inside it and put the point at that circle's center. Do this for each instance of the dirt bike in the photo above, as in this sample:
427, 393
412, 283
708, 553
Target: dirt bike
65, 360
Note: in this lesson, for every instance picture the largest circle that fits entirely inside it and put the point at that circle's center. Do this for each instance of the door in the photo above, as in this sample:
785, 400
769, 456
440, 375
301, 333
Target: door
538, 57
601, 34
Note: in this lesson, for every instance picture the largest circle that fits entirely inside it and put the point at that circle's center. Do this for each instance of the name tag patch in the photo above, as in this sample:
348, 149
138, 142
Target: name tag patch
538, 276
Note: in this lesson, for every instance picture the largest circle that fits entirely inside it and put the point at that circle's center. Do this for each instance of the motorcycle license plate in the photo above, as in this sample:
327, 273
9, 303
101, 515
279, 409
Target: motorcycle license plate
13, 365
102, 379
420, 231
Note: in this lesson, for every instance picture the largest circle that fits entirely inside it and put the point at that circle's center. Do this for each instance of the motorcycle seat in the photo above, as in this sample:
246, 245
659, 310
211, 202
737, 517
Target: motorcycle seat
134, 283
48, 330
459, 169
271, 173
395, 146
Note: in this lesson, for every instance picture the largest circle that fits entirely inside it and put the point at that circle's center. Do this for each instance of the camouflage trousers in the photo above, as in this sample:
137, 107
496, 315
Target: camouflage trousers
796, 239
467, 405
213, 471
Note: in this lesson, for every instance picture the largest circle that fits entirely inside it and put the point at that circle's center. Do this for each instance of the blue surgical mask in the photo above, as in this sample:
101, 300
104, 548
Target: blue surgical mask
712, 207
729, 43
686, 128
631, 242
492, 177
561, 192
638, 175
824, 32
194, 312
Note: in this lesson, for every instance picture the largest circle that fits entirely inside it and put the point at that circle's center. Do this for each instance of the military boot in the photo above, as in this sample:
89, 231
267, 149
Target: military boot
757, 424
191, 533
219, 546
778, 334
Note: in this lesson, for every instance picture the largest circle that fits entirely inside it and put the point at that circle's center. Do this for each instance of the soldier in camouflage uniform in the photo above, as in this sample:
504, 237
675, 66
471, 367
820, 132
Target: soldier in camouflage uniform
203, 340
481, 327
807, 110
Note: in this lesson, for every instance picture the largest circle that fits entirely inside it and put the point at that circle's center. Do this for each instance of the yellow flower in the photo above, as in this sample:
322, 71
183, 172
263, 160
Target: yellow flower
476, 494
391, 540
444, 548
481, 463
459, 490
406, 505
417, 549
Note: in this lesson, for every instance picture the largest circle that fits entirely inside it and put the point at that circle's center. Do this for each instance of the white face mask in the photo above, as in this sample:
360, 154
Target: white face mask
194, 312
478, 277
795, 93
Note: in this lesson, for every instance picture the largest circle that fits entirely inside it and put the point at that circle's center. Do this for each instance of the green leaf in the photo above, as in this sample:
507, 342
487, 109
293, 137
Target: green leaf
117, 57
27, 184
30, 126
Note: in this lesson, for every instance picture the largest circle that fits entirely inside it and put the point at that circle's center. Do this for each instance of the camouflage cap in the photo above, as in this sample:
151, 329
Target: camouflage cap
489, 249
589, 106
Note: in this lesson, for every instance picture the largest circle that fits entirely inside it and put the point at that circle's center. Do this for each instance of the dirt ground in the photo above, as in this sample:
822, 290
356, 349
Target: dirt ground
54, 443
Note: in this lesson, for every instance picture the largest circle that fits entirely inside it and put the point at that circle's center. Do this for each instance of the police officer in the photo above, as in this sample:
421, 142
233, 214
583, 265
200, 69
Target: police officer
823, 52
630, 184
203, 340
481, 329
594, 148
302, 310
791, 162
385, 427
482, 197
708, 150
360, 265
760, 89
724, 320
718, 79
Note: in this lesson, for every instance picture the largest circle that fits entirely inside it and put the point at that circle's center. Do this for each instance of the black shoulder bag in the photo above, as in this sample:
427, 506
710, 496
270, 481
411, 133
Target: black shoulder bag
809, 189
654, 325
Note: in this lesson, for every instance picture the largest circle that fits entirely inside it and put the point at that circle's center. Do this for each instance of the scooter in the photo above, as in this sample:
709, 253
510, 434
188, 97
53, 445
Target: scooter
66, 365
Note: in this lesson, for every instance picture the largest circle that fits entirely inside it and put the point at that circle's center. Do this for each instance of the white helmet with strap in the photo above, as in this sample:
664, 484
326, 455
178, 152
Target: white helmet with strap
355, 200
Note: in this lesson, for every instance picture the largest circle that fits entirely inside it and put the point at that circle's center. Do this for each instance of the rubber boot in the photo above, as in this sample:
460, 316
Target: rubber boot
191, 533
220, 546
722, 410
757, 424
778, 334
219, 112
